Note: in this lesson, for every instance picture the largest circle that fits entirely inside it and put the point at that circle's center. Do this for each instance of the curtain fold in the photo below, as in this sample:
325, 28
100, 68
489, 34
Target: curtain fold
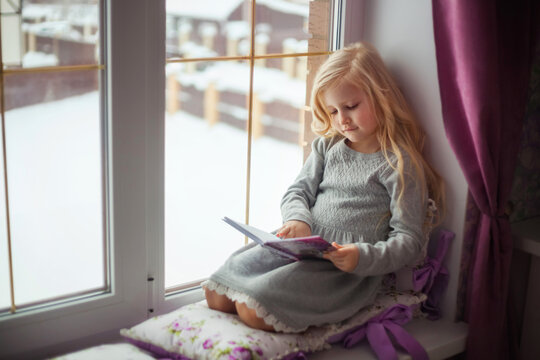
484, 51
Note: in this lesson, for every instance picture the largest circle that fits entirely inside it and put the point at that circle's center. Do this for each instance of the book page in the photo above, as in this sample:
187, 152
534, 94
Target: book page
251, 232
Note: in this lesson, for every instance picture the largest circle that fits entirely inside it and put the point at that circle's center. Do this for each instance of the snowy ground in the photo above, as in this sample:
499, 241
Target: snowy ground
55, 196
205, 180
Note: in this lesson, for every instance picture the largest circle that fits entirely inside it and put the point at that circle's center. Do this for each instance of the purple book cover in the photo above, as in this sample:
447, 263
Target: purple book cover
293, 248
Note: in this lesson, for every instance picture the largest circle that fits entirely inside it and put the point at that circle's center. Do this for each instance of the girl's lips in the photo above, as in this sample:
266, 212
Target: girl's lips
346, 130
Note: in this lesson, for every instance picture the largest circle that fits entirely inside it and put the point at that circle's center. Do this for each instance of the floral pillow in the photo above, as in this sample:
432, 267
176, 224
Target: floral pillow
197, 332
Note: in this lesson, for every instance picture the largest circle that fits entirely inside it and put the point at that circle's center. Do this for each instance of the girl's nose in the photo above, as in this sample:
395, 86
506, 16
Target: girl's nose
344, 118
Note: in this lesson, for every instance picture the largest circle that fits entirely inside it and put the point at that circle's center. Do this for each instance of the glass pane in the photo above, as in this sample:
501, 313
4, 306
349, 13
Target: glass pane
278, 136
11, 24
205, 166
53, 138
207, 28
58, 32
281, 26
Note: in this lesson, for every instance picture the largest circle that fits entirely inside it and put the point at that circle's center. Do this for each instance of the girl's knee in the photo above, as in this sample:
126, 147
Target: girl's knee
219, 302
250, 318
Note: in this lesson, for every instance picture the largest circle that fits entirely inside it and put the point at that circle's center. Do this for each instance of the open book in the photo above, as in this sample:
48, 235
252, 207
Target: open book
292, 248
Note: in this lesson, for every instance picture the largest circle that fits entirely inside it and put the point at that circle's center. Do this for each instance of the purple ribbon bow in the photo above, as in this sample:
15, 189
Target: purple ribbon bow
376, 329
432, 278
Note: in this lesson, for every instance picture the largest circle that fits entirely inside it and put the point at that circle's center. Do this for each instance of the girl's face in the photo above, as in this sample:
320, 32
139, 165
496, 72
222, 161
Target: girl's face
352, 116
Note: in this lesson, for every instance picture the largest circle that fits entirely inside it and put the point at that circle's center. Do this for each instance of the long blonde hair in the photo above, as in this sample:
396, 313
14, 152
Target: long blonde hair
398, 131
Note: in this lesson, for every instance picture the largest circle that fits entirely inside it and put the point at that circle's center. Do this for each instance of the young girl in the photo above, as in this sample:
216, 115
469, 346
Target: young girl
364, 188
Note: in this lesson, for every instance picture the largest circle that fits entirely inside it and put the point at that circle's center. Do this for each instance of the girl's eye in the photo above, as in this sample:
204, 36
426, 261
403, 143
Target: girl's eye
333, 112
351, 107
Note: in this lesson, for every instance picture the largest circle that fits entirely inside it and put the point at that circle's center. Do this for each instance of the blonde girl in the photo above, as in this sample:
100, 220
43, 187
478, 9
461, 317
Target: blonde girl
398, 131
364, 188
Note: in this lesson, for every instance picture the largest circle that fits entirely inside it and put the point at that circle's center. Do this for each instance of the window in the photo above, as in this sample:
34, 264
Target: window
114, 214
135, 187
53, 222
236, 83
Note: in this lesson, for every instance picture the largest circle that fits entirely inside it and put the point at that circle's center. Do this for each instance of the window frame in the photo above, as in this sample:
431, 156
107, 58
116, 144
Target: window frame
132, 104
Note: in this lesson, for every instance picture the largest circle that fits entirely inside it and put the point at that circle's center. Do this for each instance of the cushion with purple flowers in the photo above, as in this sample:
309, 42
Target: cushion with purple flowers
197, 332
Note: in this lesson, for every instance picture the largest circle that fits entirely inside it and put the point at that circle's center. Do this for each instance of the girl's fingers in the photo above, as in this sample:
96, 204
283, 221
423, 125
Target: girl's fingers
286, 232
343, 257
283, 231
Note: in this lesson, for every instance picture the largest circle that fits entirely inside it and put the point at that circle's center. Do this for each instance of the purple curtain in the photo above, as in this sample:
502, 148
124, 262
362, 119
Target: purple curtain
484, 50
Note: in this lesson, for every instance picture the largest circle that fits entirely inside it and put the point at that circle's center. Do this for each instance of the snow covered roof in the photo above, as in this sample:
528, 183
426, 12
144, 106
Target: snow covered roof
203, 9
76, 14
298, 7
220, 10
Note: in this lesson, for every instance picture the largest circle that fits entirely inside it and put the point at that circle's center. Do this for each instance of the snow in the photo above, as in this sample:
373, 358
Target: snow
36, 11
263, 38
55, 196
203, 9
269, 84
77, 14
54, 20
302, 46
53, 152
237, 29
208, 29
49, 28
221, 10
263, 28
215, 187
185, 27
59, 29
295, 46
299, 7
37, 59
243, 47
193, 50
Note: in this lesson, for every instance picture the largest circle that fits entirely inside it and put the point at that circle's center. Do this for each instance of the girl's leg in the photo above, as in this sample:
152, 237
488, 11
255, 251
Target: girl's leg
250, 318
219, 302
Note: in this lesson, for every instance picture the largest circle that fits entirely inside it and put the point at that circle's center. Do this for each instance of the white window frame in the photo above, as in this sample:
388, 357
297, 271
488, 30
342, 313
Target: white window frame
135, 99
134, 110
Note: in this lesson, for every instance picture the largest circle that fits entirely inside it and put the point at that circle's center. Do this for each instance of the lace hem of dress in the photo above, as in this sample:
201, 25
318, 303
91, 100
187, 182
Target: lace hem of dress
252, 304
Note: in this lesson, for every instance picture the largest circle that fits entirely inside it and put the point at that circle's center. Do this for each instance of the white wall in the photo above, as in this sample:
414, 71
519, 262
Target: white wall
402, 31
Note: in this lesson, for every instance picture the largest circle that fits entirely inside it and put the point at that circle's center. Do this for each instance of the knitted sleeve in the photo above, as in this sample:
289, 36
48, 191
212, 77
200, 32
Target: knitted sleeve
300, 196
406, 238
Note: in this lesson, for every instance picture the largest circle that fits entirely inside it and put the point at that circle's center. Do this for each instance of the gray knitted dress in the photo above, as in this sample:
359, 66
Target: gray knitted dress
346, 197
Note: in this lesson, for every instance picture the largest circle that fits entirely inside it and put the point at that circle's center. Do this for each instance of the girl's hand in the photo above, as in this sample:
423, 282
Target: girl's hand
345, 258
294, 228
